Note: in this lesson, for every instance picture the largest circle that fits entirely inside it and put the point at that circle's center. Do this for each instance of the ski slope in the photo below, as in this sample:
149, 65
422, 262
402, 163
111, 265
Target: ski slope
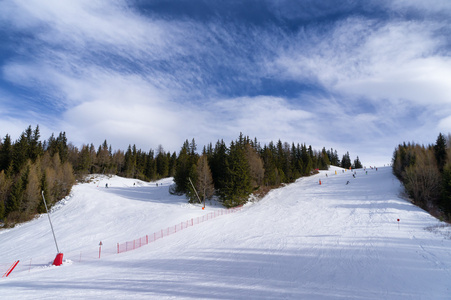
302, 241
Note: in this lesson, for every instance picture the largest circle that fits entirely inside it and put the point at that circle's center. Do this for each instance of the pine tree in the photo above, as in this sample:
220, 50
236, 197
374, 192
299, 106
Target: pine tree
346, 161
183, 169
440, 151
357, 163
162, 163
103, 158
19, 153
151, 168
445, 201
271, 177
306, 160
172, 164
129, 163
238, 184
218, 165
6, 154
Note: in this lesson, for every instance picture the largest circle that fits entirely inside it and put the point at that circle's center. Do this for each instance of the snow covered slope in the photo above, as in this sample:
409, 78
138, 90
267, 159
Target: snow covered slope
303, 241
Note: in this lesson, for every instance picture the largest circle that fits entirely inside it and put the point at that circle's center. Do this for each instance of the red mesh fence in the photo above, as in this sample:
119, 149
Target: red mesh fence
28, 264
131, 245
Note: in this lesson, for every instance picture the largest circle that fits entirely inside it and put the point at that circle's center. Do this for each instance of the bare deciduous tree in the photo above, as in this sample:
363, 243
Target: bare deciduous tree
204, 184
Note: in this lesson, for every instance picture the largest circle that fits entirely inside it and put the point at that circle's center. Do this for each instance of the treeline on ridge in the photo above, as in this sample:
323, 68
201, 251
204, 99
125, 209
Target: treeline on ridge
29, 166
426, 174
233, 173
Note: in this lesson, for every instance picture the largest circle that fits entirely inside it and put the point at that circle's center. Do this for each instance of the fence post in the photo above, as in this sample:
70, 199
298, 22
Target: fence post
117, 247
147, 239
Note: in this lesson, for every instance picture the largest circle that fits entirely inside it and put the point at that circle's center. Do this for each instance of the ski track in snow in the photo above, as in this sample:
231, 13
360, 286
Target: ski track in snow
302, 241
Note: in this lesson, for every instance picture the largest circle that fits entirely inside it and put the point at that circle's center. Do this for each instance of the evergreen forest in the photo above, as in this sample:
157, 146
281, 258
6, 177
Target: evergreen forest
30, 166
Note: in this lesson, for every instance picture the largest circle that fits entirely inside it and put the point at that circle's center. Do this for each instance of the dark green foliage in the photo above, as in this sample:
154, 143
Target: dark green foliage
162, 163
185, 162
333, 157
346, 161
19, 154
357, 163
440, 152
58, 145
238, 182
217, 160
445, 201
6, 154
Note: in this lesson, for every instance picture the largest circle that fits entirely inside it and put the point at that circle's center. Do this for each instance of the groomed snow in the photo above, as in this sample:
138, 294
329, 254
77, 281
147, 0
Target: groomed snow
302, 241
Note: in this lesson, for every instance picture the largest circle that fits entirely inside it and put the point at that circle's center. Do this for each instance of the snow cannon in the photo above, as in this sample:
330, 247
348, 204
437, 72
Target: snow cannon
58, 260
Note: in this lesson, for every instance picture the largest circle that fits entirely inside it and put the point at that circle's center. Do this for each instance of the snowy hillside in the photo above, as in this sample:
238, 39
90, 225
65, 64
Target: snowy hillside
303, 241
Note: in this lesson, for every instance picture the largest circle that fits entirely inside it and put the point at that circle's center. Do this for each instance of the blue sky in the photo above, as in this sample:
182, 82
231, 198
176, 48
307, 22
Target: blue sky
357, 76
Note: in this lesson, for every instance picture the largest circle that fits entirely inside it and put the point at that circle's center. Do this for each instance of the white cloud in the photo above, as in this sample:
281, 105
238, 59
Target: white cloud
444, 125
264, 117
399, 60
129, 78
84, 23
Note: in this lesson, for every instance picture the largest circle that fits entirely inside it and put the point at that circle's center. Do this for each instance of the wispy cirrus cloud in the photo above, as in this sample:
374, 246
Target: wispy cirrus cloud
341, 77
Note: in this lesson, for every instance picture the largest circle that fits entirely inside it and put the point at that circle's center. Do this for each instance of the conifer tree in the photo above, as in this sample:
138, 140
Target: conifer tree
218, 165
440, 151
129, 163
103, 158
172, 164
19, 153
306, 160
238, 184
162, 162
183, 169
151, 168
357, 163
445, 201
6, 154
346, 161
